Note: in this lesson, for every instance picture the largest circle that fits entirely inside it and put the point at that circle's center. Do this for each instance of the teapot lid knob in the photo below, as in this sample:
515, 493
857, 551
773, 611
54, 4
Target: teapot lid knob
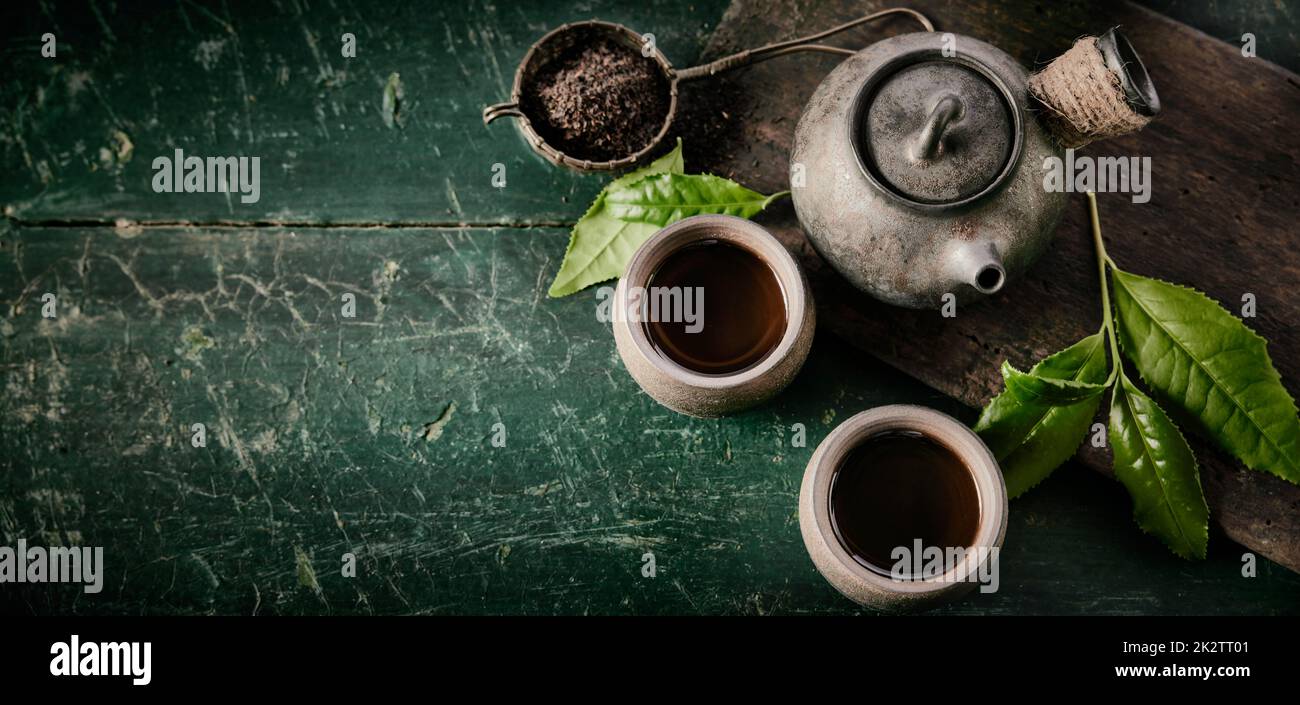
936, 131
929, 140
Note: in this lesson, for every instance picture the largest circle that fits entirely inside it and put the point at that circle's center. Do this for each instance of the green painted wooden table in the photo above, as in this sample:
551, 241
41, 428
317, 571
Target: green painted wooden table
374, 435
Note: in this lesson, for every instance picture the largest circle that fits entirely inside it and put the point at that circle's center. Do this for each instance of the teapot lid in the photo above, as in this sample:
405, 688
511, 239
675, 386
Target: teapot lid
938, 131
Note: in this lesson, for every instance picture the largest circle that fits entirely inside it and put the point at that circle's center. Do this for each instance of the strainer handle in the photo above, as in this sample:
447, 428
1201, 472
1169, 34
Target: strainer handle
753, 56
493, 112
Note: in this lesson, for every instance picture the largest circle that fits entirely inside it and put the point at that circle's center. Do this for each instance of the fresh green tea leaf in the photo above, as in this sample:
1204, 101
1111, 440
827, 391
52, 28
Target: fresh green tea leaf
1031, 439
1048, 390
661, 199
1211, 366
601, 244
1153, 461
670, 163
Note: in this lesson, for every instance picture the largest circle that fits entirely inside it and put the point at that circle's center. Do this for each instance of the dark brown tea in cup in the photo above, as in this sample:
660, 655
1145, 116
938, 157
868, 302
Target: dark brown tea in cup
742, 318
896, 487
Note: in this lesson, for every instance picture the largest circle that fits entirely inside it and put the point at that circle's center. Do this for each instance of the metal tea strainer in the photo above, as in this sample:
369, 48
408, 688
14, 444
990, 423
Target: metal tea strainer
563, 38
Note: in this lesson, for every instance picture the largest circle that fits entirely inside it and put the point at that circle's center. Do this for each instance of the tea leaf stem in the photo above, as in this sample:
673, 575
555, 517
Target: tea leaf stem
1107, 317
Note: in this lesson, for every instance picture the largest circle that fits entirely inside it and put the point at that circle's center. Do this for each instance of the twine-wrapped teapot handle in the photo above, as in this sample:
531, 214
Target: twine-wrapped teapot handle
753, 56
1096, 90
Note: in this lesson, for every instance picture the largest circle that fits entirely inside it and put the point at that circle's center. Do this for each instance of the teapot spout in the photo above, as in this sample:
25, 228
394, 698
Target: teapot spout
978, 264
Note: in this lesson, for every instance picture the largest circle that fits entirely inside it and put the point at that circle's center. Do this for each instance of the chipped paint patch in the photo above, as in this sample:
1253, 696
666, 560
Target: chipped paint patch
306, 573
126, 229
123, 147
626, 541
383, 280
542, 489
208, 53
433, 430
193, 343
264, 442
115, 156
391, 104
454, 199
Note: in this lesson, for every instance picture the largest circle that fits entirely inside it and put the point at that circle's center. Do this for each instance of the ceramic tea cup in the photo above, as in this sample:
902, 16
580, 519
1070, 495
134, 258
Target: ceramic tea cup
897, 590
689, 391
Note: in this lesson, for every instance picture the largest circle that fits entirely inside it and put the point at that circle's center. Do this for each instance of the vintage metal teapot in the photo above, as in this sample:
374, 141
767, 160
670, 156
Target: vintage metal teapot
917, 164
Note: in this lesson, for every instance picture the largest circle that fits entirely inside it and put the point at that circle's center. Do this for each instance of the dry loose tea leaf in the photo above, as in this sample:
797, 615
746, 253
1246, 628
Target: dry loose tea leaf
598, 101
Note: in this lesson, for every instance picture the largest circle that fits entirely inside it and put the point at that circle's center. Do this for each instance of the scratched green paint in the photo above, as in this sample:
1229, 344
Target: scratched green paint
373, 436
268, 79
321, 441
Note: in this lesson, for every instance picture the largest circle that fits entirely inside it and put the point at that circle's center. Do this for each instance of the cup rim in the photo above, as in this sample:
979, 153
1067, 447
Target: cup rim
558, 157
941, 428
744, 233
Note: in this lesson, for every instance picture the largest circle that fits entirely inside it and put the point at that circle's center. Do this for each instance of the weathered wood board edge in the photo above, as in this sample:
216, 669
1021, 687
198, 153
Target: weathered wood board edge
1218, 202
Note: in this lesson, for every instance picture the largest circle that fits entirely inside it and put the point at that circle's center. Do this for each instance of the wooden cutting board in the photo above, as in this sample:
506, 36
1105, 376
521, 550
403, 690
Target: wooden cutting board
1221, 218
